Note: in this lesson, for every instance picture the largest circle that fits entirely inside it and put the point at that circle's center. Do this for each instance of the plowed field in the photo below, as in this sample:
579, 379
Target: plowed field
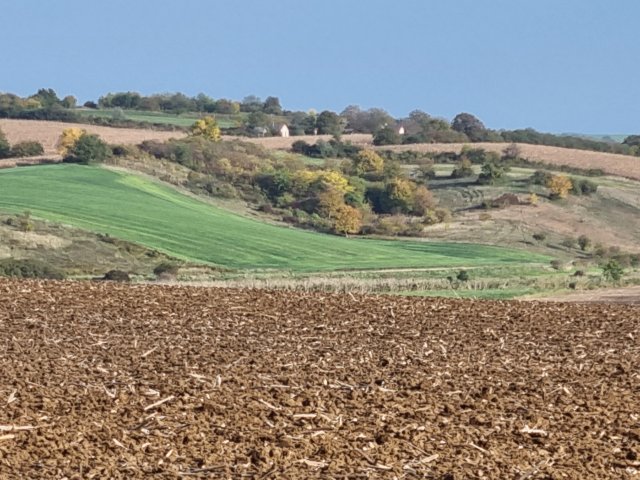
112, 381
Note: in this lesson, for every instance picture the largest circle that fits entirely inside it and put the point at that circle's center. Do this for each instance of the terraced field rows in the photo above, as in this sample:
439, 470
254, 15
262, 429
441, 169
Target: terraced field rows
111, 381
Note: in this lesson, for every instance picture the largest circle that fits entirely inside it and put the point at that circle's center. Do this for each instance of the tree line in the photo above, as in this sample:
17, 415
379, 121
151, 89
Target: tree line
260, 117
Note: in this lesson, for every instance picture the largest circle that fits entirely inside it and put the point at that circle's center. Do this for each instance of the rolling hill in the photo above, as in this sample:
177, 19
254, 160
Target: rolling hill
139, 210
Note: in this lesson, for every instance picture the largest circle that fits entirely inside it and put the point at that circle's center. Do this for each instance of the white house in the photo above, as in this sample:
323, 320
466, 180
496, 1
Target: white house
283, 131
401, 130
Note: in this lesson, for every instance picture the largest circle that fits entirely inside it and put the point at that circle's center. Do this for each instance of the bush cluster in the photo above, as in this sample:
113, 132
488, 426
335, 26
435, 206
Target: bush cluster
29, 269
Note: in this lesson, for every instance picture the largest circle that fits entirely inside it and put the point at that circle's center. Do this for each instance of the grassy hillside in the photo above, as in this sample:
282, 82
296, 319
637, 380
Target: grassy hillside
138, 210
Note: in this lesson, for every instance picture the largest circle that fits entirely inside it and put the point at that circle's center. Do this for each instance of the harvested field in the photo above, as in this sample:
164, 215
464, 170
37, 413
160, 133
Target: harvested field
116, 381
611, 163
48, 133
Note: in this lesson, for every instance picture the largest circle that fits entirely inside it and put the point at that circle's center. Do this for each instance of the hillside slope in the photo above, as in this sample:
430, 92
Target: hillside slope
48, 133
139, 210
611, 163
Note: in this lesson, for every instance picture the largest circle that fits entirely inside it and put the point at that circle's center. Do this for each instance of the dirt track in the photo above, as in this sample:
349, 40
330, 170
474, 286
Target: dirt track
108, 381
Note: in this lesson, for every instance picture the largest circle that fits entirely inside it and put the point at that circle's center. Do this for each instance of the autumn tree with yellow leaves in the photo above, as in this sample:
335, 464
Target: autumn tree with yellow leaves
560, 185
368, 161
68, 140
206, 127
347, 219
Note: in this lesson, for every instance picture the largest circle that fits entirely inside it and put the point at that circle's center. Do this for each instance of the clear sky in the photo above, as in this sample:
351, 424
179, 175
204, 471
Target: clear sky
554, 65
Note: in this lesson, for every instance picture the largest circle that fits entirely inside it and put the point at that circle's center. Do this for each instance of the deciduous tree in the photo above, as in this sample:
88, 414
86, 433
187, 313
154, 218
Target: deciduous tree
368, 161
560, 185
88, 149
347, 219
206, 127
68, 139
471, 126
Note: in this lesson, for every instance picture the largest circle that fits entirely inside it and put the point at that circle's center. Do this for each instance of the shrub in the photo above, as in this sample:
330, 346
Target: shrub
387, 136
556, 264
540, 177
463, 169
584, 242
24, 222
463, 276
27, 149
88, 149
117, 276
28, 269
540, 236
166, 268
612, 271
491, 173
300, 146
583, 187
560, 185
5, 148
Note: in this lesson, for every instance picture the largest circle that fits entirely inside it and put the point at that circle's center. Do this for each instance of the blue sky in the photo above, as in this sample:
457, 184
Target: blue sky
555, 65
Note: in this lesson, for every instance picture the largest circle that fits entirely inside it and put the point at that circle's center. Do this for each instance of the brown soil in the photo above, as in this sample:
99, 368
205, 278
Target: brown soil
48, 133
113, 381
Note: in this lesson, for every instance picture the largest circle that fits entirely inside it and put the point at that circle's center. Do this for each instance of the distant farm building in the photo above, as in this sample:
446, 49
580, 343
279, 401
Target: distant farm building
283, 130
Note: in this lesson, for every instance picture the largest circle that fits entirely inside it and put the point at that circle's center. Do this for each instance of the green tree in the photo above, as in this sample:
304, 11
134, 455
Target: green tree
69, 101
471, 126
88, 149
328, 123
204, 103
251, 103
491, 173
272, 106
387, 136
47, 97
257, 119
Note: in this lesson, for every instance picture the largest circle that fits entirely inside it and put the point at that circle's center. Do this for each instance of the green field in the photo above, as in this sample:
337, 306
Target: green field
139, 210
186, 120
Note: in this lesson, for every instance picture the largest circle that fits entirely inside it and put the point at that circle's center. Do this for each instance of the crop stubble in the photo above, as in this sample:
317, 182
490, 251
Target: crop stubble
114, 381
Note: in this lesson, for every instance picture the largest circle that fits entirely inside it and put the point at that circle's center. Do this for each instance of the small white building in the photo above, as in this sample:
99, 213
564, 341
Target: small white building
401, 130
283, 131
